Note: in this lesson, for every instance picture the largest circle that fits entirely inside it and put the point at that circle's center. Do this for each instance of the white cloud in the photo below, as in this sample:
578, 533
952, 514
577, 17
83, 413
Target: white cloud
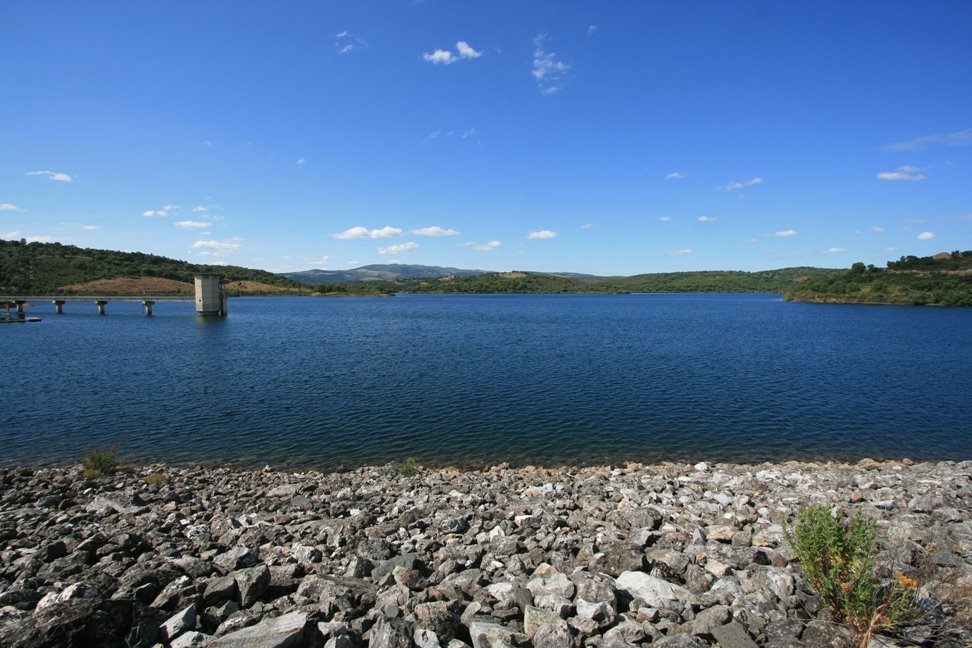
318, 263
834, 250
664, 219
542, 234
877, 230
346, 42
891, 249
708, 219
903, 173
188, 224
92, 228
39, 239
434, 230
591, 30
732, 186
958, 138
53, 175
674, 175
926, 236
300, 160
785, 233
681, 252
484, 247
162, 212
466, 51
440, 57
10, 235
398, 249
587, 226
218, 248
549, 71
9, 207
365, 233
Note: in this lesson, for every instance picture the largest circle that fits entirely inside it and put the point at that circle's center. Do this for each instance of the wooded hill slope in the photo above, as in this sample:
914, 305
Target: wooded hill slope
941, 280
53, 268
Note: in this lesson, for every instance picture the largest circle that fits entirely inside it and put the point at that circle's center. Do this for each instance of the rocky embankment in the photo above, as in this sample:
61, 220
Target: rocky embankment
664, 555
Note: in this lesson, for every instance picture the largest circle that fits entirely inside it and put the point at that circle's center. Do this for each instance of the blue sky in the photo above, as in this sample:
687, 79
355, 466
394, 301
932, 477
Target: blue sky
607, 138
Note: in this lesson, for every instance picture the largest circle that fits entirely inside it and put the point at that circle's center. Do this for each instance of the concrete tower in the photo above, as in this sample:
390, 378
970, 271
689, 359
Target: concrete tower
210, 296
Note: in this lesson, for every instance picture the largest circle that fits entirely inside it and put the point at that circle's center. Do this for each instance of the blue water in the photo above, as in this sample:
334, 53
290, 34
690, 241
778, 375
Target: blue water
326, 382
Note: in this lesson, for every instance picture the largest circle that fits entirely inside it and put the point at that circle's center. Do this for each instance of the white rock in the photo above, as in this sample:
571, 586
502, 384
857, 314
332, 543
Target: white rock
654, 591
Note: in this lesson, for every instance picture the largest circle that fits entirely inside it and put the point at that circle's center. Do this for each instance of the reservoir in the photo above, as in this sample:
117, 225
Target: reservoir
448, 379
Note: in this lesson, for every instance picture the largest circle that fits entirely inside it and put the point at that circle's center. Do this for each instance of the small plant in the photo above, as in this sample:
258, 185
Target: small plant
837, 560
156, 479
408, 468
100, 462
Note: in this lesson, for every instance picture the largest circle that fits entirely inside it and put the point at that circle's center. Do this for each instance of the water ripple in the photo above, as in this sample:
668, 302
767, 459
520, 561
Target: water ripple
463, 379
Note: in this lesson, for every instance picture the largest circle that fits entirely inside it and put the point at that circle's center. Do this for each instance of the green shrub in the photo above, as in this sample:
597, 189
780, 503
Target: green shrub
408, 468
100, 462
837, 558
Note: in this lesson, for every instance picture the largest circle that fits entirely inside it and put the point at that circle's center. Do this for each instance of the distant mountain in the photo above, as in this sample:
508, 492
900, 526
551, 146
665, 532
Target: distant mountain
379, 272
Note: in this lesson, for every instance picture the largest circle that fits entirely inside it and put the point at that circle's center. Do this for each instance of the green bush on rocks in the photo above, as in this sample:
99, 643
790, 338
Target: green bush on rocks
837, 558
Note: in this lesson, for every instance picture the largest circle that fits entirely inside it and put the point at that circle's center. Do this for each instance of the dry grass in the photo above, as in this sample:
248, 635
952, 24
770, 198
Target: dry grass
132, 286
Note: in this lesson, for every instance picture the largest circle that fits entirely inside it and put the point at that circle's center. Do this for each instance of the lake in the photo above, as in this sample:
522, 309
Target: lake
329, 382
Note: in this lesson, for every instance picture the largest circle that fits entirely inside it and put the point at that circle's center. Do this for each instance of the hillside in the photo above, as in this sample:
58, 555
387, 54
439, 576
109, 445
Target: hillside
941, 280
46, 268
378, 272
53, 268
537, 282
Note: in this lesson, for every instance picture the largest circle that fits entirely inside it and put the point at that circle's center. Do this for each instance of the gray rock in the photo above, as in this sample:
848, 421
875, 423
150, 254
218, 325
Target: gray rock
391, 633
534, 617
681, 641
654, 591
191, 640
339, 641
284, 490
825, 634
553, 635
220, 589
487, 633
600, 612
236, 558
280, 632
710, 618
252, 584
385, 569
425, 638
438, 617
178, 623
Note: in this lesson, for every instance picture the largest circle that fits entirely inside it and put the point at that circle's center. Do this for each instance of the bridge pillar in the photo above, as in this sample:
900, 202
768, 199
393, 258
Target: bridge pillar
58, 306
101, 306
147, 303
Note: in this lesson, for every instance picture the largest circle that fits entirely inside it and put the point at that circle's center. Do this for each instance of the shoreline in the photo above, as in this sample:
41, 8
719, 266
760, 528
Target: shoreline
478, 465
606, 556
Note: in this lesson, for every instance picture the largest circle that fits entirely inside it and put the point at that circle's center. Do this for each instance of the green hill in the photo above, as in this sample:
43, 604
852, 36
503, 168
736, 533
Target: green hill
44, 268
53, 268
941, 280
773, 281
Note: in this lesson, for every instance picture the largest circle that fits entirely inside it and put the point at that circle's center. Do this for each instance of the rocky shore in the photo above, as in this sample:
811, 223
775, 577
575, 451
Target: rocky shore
606, 557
